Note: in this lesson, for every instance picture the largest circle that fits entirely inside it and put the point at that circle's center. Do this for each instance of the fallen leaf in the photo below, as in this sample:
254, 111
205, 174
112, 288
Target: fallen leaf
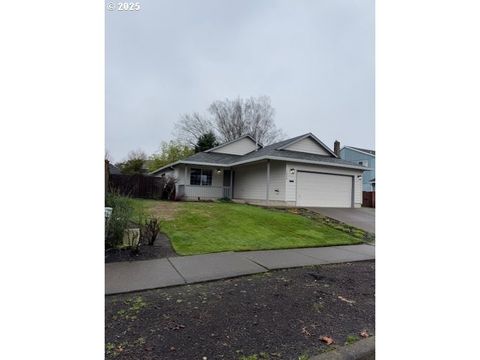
306, 332
364, 334
346, 300
327, 340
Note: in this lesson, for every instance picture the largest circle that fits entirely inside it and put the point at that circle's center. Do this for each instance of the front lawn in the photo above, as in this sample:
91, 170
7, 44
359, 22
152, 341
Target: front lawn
204, 227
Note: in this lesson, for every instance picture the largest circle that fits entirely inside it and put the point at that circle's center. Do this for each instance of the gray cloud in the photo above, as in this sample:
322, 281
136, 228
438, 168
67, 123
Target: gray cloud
314, 58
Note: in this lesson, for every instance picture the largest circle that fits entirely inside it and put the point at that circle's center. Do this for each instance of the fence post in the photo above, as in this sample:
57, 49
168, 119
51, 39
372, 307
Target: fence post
107, 174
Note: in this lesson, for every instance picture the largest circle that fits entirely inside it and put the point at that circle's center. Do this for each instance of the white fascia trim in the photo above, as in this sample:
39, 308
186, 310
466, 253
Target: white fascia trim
165, 167
189, 163
361, 152
359, 167
356, 167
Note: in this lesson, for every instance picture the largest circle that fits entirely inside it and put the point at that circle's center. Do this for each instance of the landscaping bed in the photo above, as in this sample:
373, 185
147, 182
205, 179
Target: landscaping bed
276, 315
160, 249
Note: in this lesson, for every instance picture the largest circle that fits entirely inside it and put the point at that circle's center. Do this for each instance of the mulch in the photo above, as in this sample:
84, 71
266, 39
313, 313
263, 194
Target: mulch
161, 248
276, 315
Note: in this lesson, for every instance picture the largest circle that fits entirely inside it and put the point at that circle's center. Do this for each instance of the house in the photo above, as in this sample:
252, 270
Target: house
301, 171
113, 170
363, 157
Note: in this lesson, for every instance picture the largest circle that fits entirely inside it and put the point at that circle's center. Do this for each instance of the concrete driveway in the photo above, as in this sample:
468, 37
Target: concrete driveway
362, 218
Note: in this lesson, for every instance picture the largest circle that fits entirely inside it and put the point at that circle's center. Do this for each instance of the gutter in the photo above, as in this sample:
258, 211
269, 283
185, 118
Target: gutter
267, 157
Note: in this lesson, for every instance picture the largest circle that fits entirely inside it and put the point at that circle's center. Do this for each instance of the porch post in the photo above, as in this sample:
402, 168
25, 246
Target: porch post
185, 179
268, 182
231, 183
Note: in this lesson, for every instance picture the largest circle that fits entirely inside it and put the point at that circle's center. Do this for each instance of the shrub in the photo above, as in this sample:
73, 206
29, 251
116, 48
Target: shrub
168, 192
150, 229
120, 218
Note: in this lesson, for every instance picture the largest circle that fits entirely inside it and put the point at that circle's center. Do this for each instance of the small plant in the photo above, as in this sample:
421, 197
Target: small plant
303, 357
351, 339
135, 305
225, 200
261, 356
249, 357
119, 219
150, 230
318, 307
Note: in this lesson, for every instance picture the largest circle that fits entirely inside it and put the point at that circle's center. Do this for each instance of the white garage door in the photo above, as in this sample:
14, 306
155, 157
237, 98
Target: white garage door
323, 190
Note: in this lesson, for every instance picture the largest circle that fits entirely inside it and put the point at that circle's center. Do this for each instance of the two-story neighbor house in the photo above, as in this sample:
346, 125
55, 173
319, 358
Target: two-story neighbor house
363, 157
301, 171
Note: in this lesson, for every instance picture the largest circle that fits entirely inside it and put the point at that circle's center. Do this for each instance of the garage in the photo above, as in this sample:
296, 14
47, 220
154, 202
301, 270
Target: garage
324, 190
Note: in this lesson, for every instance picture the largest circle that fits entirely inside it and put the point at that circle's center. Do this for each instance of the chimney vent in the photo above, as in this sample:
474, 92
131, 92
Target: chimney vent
336, 148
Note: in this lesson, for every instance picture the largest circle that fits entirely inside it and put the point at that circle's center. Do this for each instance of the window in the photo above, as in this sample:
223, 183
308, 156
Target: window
363, 162
201, 177
207, 177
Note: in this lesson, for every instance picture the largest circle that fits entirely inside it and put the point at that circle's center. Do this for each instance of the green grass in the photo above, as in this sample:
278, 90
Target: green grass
351, 339
199, 228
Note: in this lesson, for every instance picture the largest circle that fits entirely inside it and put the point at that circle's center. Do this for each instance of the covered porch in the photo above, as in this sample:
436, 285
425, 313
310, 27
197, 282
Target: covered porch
199, 182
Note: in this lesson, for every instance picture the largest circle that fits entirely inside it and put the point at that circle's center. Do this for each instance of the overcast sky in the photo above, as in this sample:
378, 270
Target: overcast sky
313, 58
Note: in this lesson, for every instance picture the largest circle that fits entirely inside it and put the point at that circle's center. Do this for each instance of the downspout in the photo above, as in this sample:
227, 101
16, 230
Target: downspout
268, 182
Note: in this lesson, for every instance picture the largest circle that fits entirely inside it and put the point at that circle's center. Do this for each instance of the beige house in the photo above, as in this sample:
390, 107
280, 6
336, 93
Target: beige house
301, 171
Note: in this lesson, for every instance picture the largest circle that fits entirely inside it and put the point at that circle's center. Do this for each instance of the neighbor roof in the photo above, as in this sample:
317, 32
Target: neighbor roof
275, 151
113, 170
367, 151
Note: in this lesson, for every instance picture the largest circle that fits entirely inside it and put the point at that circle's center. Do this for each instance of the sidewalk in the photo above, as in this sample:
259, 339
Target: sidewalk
150, 274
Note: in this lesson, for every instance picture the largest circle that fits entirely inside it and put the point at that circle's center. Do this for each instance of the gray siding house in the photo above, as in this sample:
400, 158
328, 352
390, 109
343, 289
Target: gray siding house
363, 157
301, 171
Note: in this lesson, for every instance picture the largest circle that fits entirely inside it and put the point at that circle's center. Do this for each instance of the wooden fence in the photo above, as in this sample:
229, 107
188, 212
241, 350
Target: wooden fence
142, 186
369, 199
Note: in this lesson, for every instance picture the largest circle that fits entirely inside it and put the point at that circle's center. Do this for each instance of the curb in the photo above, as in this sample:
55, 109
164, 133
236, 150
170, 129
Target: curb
361, 350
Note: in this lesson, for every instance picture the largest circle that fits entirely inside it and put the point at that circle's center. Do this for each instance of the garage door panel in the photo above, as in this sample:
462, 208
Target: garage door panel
323, 190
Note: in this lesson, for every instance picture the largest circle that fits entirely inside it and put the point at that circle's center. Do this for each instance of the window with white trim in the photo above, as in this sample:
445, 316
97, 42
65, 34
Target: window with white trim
363, 162
201, 177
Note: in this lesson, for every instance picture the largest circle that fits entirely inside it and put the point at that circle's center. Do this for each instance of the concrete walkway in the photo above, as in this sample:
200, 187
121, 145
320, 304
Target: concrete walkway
123, 277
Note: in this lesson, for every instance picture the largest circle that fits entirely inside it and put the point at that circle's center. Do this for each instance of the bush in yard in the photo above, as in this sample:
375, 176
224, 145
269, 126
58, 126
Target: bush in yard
150, 230
120, 218
169, 188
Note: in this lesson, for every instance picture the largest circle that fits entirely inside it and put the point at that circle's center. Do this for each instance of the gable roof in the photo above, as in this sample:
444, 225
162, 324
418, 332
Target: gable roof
113, 170
360, 150
304, 136
233, 141
275, 151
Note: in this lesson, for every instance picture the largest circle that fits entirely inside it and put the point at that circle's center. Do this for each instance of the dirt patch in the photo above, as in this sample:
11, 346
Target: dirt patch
161, 248
165, 210
276, 315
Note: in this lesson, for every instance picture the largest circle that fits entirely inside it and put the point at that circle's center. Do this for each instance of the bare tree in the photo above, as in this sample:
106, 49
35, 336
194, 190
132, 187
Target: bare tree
231, 119
191, 127
138, 154
259, 117
108, 156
